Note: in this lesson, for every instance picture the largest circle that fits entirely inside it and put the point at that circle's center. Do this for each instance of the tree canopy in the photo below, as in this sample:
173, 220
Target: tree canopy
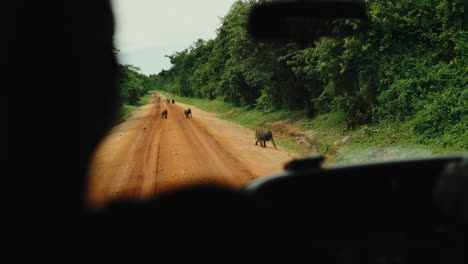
407, 64
132, 83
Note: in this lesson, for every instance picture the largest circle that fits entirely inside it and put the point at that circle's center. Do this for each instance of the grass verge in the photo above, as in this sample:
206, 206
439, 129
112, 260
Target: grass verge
126, 110
325, 133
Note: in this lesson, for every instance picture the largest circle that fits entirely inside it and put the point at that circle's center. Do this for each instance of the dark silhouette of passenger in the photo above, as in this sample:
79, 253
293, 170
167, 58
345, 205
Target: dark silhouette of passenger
63, 98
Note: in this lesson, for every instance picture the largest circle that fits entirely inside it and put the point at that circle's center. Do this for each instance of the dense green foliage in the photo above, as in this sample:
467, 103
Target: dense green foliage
408, 64
132, 83
134, 87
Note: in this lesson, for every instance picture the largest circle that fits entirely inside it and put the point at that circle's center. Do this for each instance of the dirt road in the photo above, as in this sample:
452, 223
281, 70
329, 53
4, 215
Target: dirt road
147, 155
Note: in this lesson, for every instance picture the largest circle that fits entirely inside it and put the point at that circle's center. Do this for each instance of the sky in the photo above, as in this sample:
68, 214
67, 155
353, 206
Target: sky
147, 30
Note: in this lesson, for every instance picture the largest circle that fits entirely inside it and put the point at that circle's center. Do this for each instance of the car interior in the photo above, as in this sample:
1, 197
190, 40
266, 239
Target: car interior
402, 211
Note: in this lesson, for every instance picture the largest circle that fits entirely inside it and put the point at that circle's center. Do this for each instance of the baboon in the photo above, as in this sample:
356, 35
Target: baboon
263, 136
173, 101
168, 101
310, 108
353, 121
188, 113
164, 114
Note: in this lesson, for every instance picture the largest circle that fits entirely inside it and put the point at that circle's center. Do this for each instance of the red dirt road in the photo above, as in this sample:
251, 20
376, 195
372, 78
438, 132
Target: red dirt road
147, 155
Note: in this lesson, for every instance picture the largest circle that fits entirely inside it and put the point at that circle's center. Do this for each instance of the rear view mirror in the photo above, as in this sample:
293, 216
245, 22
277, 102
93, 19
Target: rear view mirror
303, 20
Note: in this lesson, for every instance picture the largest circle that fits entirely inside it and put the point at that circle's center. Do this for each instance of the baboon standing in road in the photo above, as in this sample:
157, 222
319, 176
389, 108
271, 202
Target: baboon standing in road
188, 113
263, 136
173, 101
164, 114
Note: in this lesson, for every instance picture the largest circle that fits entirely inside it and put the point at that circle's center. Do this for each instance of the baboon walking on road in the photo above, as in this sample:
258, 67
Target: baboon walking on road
188, 113
263, 136
164, 114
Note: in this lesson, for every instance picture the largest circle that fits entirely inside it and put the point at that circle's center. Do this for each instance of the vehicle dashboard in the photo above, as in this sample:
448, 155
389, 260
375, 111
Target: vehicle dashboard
386, 212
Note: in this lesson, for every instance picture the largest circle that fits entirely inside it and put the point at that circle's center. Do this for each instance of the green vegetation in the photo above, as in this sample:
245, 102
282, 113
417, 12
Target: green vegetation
134, 87
126, 109
400, 79
132, 83
324, 134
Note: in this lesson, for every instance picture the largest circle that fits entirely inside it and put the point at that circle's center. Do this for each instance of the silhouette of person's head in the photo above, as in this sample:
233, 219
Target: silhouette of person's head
62, 98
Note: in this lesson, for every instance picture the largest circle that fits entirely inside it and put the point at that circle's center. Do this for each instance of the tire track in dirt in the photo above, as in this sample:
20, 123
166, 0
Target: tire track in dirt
147, 155
189, 152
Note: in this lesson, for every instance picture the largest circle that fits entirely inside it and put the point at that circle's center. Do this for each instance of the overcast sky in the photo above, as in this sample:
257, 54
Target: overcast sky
149, 29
